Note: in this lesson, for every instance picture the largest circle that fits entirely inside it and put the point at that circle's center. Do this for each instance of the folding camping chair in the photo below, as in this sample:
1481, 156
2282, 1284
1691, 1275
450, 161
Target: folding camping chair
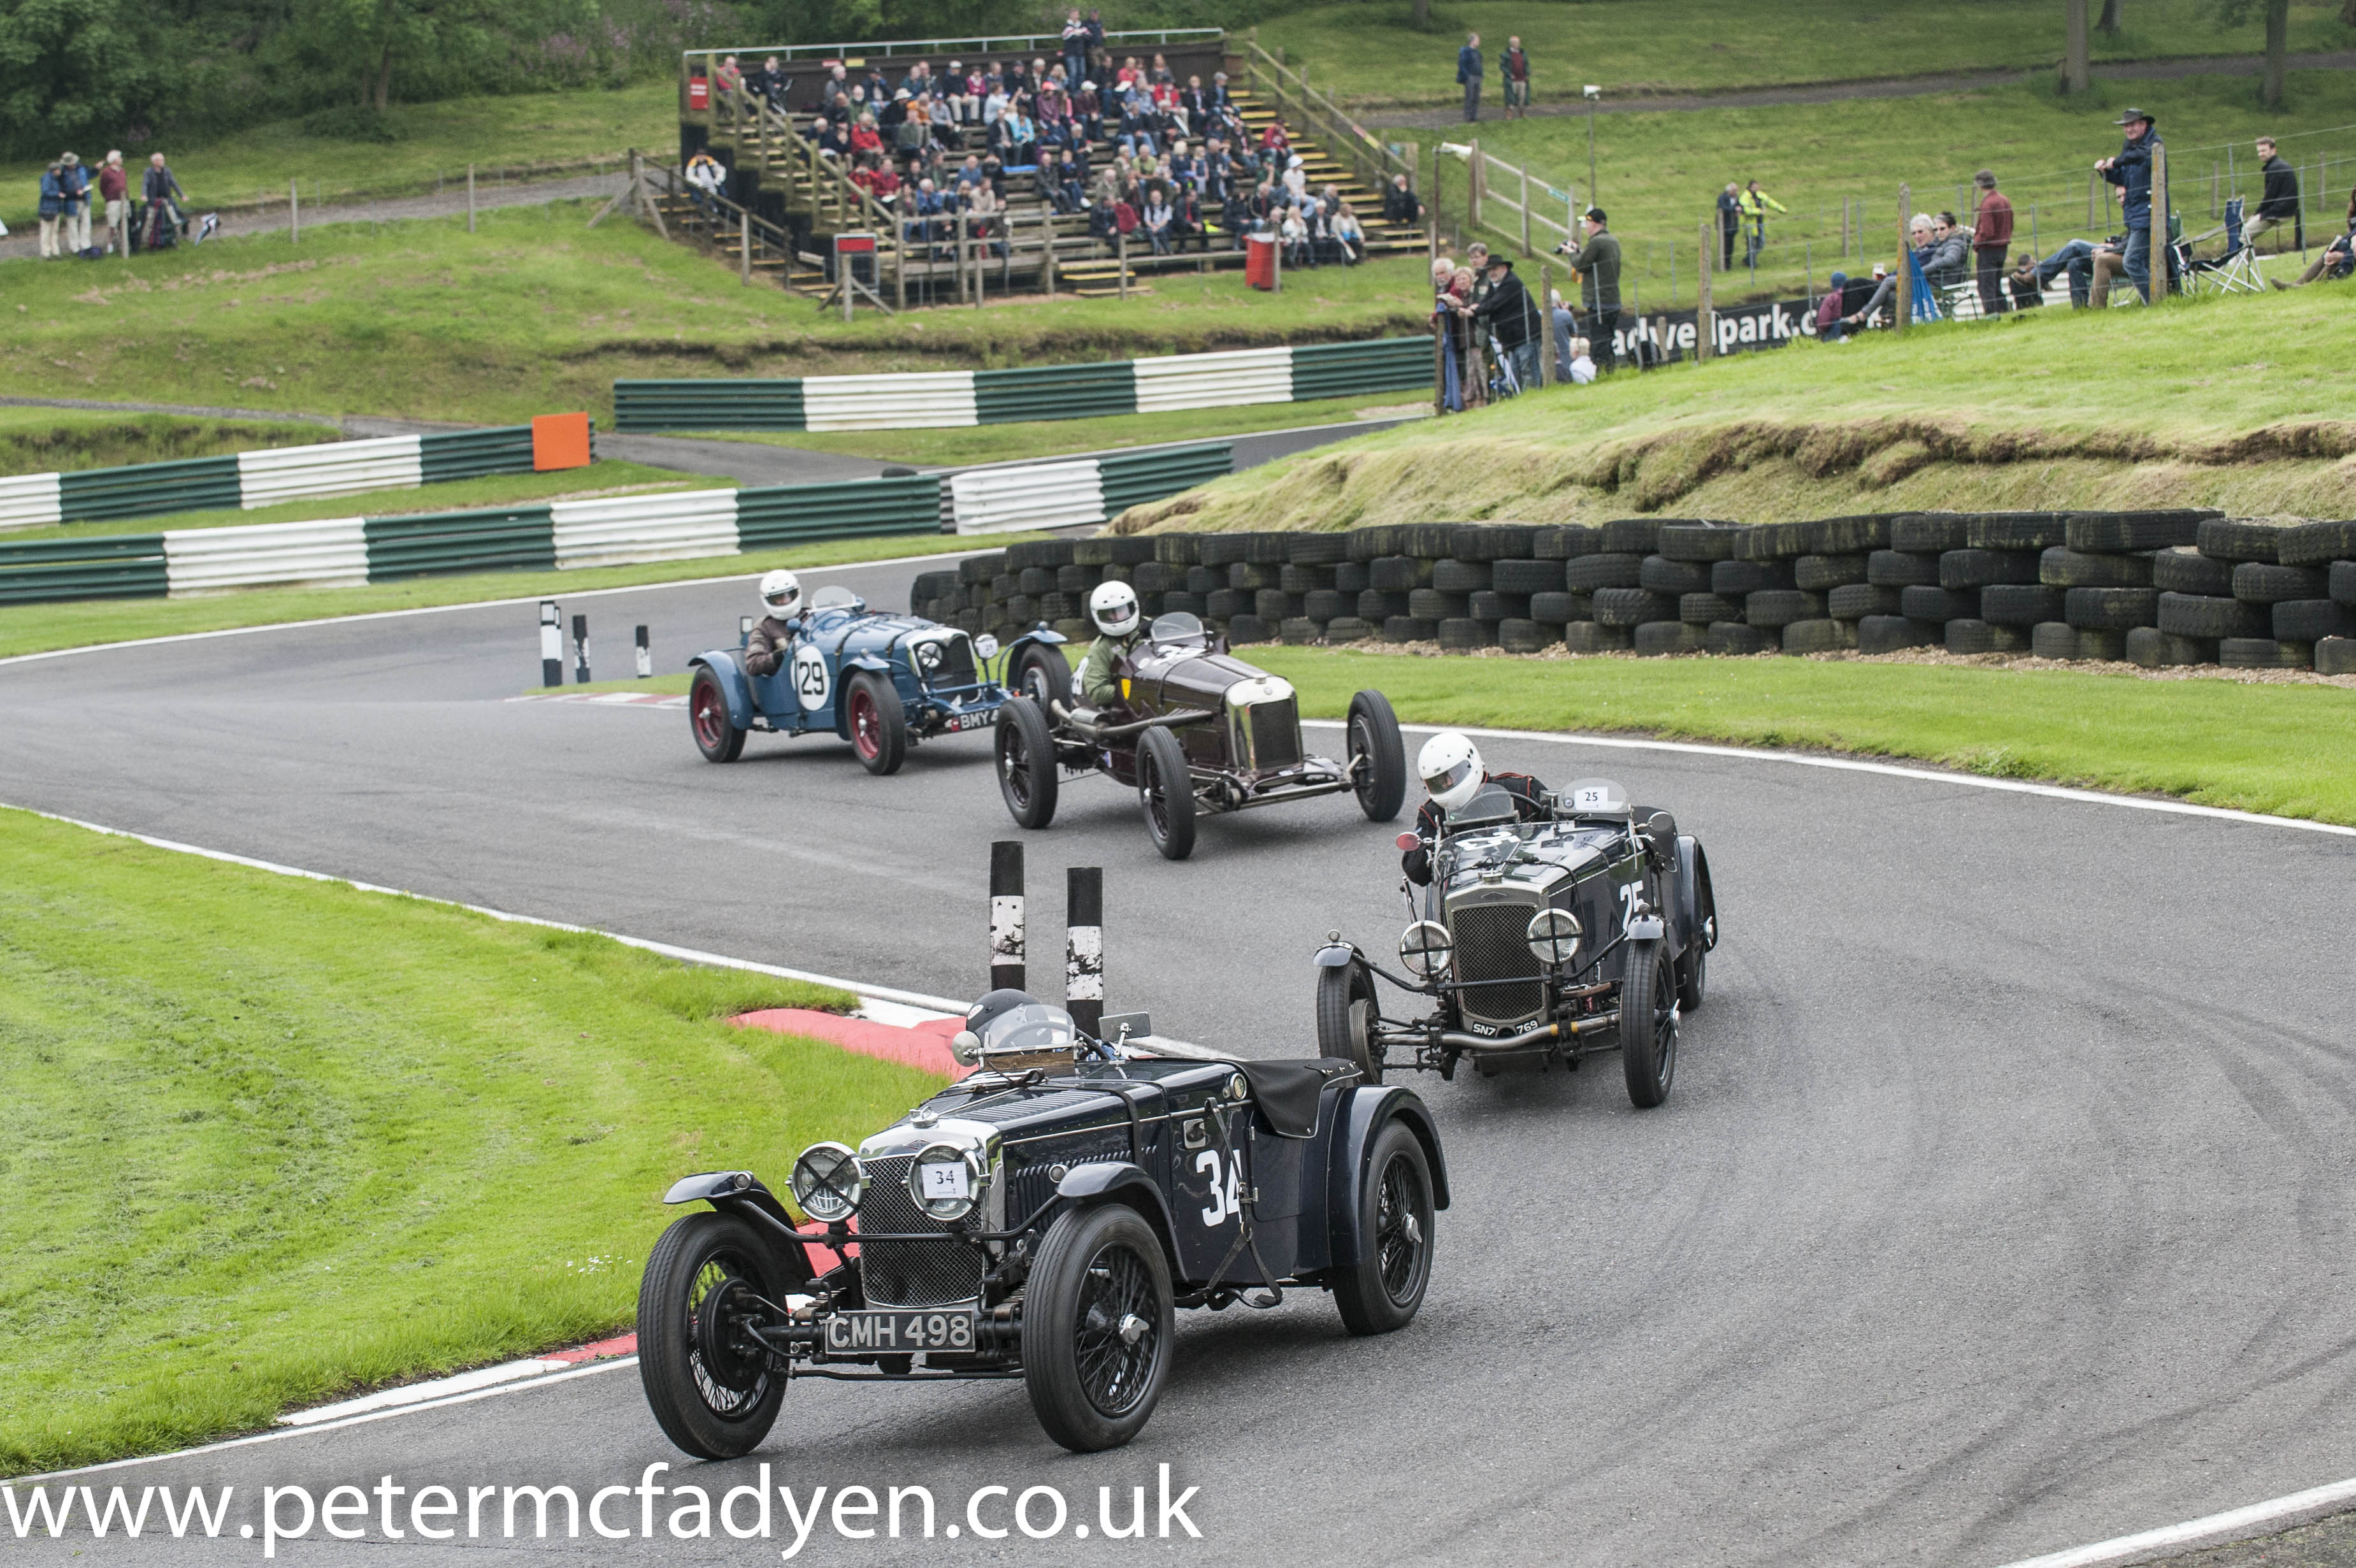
1503, 382
2235, 271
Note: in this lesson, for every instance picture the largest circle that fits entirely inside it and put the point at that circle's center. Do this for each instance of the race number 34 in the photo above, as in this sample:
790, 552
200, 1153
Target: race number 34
1223, 1176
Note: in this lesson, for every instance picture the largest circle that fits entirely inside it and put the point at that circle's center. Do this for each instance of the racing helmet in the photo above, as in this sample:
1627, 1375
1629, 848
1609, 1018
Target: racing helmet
1450, 765
781, 593
1113, 607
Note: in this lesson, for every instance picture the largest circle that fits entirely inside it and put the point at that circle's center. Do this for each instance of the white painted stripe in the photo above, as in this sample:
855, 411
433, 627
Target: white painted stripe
330, 468
2234, 1524
1214, 380
1891, 771
621, 529
421, 1393
29, 501
935, 401
1046, 495
522, 1386
328, 553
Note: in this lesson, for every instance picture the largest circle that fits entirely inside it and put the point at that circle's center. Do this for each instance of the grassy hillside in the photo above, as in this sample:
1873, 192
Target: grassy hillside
1372, 53
301, 1095
58, 440
2238, 403
536, 312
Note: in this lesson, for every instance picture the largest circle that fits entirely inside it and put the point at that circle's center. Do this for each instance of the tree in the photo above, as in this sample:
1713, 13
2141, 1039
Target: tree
2075, 76
2109, 23
71, 69
2235, 12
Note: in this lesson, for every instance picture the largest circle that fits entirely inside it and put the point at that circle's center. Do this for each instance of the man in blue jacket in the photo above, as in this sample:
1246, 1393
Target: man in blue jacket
2130, 170
1468, 71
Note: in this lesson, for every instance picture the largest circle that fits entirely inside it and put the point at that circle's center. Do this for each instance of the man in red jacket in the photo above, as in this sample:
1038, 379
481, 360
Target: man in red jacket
1991, 238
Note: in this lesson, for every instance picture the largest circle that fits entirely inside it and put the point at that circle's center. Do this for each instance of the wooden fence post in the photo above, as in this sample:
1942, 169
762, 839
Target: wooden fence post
2162, 252
470, 199
294, 217
1548, 371
1473, 186
744, 246
1120, 248
1526, 211
1048, 258
1905, 273
1705, 318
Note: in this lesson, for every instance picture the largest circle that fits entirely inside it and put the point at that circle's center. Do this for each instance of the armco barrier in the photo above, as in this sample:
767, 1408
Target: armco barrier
252, 479
1132, 479
620, 530
332, 554
792, 514
112, 566
1088, 489
492, 539
941, 399
2153, 588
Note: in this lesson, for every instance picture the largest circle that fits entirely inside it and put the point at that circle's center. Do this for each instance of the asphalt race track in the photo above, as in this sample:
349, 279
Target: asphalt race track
2001, 1204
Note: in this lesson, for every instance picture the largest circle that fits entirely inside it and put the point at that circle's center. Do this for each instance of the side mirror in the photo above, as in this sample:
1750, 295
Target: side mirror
1659, 825
965, 1047
1408, 842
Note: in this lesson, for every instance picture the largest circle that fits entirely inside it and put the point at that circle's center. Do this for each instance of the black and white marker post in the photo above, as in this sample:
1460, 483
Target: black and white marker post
645, 656
1084, 947
552, 644
581, 650
1006, 963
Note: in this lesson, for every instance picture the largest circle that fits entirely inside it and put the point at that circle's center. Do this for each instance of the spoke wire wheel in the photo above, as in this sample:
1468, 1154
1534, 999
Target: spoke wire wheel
1099, 1328
1026, 756
708, 1383
1166, 790
1648, 1027
1382, 1290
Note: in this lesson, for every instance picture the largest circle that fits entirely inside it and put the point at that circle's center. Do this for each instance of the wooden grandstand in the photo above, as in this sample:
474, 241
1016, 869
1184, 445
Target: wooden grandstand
784, 202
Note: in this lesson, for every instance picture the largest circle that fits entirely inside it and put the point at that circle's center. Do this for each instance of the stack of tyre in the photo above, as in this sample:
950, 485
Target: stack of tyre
2152, 588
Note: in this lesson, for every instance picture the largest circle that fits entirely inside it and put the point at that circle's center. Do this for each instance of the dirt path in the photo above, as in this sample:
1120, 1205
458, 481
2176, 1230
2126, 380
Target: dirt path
26, 243
1896, 87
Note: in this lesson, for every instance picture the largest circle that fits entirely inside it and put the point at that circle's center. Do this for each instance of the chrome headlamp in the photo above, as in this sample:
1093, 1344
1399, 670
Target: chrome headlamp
947, 1181
1554, 937
827, 1182
1425, 948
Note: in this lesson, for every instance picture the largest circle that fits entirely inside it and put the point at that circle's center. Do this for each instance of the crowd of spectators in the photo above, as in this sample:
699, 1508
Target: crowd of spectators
1492, 324
72, 196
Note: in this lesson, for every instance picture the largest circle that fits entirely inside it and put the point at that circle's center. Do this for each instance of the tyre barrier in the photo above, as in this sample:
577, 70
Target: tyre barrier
2153, 587
250, 479
944, 399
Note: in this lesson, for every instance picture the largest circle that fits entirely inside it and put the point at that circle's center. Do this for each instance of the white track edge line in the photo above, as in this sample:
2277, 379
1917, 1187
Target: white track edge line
2212, 1529
1887, 770
468, 604
521, 1385
667, 949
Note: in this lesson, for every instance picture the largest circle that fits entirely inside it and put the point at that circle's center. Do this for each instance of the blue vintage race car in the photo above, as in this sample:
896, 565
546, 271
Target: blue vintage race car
880, 682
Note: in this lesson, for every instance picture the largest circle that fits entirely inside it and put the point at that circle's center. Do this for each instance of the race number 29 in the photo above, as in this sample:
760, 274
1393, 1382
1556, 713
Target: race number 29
811, 682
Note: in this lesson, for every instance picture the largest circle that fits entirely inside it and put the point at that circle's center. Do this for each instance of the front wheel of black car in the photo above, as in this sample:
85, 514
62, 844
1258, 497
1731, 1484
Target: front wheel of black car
1167, 793
1374, 733
1648, 1024
716, 735
879, 724
1099, 1328
1026, 763
1041, 674
1693, 968
709, 1382
1346, 1011
1381, 1291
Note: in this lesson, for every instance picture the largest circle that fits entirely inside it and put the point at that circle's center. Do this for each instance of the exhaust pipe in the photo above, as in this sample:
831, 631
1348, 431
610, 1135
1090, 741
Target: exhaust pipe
1544, 1036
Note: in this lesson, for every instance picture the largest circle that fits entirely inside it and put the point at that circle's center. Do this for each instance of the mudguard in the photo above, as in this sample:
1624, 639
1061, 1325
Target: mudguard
740, 1193
1336, 955
1366, 1111
1038, 634
843, 669
1697, 920
733, 684
1108, 1179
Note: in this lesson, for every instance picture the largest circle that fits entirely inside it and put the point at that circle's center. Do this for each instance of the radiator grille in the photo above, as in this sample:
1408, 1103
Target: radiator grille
1275, 733
910, 1273
955, 668
1491, 945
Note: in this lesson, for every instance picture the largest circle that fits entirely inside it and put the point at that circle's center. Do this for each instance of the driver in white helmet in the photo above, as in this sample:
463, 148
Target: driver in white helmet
773, 640
1113, 607
1450, 765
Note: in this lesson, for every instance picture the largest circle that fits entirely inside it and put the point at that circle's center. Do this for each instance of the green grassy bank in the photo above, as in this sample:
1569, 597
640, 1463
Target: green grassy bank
320, 1113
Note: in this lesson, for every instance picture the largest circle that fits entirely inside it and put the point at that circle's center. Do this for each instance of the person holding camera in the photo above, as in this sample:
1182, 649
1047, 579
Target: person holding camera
1597, 262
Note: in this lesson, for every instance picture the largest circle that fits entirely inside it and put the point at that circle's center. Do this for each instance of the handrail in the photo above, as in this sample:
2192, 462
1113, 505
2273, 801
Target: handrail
987, 44
1343, 136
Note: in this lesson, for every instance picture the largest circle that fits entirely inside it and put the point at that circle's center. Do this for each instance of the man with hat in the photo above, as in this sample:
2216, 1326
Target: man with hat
2130, 170
1507, 312
1597, 262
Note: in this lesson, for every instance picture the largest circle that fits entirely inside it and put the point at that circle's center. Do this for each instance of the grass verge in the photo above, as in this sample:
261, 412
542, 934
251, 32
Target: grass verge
536, 313
2232, 403
37, 628
63, 440
309, 1103
1375, 54
2288, 750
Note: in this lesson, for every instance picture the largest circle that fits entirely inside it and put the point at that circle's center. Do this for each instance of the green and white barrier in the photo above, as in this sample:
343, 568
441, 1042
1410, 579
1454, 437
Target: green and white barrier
940, 400
250, 479
1085, 490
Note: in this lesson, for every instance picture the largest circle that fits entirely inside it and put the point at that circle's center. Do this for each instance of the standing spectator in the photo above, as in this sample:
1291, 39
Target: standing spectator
1730, 224
1512, 317
159, 190
1515, 69
53, 206
1597, 262
2130, 169
1563, 326
1468, 72
1755, 204
1991, 238
1077, 47
75, 239
115, 190
706, 176
2278, 203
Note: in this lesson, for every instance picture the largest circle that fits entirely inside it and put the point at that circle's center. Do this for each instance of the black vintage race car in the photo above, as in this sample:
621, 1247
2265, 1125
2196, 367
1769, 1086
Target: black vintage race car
1043, 1219
1588, 929
1202, 732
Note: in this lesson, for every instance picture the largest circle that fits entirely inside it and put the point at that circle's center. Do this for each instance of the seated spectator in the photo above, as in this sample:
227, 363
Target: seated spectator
1292, 233
1087, 113
1158, 218
1296, 179
1349, 238
971, 175
2339, 257
1883, 298
730, 77
2077, 260
1579, 370
1048, 181
1830, 328
772, 84
2023, 284
984, 218
865, 137
1564, 328
1945, 251
1400, 205
705, 179
1236, 215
